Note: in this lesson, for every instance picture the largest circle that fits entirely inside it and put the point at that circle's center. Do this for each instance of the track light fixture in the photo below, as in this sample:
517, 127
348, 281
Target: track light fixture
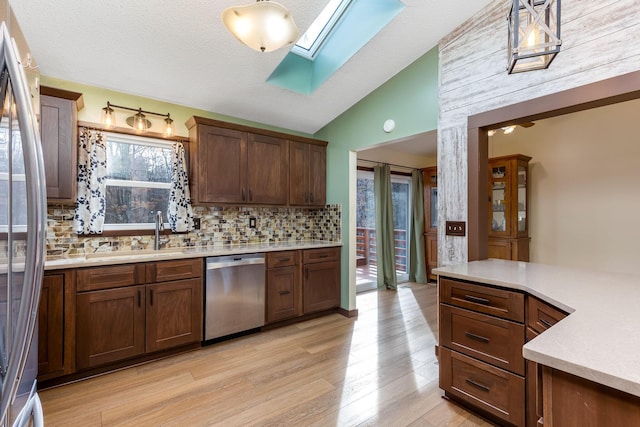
138, 121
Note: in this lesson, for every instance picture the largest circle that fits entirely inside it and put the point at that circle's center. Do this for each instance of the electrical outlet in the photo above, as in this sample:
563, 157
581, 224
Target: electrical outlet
456, 228
196, 223
252, 222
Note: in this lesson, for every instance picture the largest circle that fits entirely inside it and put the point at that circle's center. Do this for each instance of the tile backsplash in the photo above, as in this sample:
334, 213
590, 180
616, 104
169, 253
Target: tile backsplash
218, 226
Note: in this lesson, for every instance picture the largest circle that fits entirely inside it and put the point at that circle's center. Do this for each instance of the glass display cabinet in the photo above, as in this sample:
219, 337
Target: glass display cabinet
430, 179
509, 207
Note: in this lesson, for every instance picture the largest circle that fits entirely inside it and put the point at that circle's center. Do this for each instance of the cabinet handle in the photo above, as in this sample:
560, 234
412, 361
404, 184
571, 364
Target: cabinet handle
151, 296
478, 385
546, 323
284, 292
477, 337
477, 300
311, 195
139, 298
284, 259
323, 256
243, 194
250, 195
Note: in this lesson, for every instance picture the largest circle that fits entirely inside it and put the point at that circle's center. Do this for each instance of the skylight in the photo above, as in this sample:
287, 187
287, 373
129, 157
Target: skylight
320, 28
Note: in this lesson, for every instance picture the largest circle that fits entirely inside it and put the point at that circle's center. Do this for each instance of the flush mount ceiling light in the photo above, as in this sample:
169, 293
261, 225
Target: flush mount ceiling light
264, 26
534, 34
138, 121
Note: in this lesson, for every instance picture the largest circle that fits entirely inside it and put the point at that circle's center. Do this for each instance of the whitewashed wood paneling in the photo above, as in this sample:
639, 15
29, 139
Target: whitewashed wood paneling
600, 40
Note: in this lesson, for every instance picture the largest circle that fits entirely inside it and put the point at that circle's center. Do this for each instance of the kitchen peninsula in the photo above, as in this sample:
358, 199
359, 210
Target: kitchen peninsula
590, 368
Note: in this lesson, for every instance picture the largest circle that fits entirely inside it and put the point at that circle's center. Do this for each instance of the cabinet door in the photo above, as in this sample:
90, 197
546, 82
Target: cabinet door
58, 133
298, 173
174, 314
222, 161
283, 293
317, 175
321, 286
51, 326
431, 241
110, 325
267, 170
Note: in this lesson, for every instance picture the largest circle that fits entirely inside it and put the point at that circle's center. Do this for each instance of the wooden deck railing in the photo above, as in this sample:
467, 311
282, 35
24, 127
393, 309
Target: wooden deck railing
366, 247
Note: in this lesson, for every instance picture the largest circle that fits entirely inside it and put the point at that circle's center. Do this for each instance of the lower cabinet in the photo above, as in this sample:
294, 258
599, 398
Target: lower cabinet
511, 249
302, 282
128, 319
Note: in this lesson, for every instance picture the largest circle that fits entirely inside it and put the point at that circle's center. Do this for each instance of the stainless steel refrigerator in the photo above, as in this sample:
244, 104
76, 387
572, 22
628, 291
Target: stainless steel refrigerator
22, 240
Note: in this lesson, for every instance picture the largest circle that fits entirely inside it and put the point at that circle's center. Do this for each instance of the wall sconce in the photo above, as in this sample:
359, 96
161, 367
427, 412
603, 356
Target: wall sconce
264, 26
138, 121
534, 34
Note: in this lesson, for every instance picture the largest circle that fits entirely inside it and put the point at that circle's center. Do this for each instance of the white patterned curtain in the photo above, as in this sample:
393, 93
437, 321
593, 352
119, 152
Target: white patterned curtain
92, 173
179, 213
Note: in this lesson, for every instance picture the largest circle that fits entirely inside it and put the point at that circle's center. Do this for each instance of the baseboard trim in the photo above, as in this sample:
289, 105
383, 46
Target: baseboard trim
348, 313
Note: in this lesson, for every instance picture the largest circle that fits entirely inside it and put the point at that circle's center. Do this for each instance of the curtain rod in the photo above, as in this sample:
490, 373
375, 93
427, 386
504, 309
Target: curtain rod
390, 164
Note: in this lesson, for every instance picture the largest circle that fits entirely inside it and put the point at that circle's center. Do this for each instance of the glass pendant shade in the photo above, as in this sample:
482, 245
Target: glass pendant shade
108, 117
534, 34
169, 128
264, 26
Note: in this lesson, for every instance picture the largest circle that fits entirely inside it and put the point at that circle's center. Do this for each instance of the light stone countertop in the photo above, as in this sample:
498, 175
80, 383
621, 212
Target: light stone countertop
599, 340
127, 257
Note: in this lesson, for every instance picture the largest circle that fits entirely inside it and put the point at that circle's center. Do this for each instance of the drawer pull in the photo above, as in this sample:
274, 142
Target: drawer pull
323, 256
284, 292
478, 385
284, 259
477, 337
477, 300
546, 323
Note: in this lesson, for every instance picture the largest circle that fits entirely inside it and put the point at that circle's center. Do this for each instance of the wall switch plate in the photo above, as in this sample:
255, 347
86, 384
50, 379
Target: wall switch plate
196, 223
252, 222
456, 228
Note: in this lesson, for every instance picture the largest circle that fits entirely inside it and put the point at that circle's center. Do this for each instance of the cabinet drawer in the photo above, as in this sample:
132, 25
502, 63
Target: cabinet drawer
541, 316
114, 276
320, 255
493, 390
496, 302
493, 340
165, 271
282, 259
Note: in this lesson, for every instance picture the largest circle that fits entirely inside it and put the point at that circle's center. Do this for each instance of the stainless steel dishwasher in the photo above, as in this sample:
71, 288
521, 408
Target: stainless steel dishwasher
234, 294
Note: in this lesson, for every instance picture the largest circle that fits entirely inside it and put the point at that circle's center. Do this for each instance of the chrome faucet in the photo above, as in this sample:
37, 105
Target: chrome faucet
159, 226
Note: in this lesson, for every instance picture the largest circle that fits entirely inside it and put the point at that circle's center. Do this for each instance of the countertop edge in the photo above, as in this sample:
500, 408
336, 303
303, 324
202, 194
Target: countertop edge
129, 257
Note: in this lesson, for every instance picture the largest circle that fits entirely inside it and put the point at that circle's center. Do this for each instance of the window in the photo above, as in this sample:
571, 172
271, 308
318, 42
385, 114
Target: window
12, 177
320, 28
138, 181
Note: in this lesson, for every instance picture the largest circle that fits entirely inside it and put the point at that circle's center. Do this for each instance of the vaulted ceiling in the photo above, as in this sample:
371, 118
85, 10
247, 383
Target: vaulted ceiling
180, 52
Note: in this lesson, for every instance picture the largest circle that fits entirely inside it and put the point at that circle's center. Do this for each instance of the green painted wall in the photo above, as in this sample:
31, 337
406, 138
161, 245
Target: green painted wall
411, 99
96, 98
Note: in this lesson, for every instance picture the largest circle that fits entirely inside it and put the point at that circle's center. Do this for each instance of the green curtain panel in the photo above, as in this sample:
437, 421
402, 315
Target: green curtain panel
417, 259
385, 246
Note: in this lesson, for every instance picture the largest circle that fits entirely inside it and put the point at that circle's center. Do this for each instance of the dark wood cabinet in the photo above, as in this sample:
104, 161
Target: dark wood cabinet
284, 287
430, 180
482, 331
56, 323
308, 180
59, 135
235, 164
51, 325
111, 325
509, 207
130, 310
321, 279
173, 314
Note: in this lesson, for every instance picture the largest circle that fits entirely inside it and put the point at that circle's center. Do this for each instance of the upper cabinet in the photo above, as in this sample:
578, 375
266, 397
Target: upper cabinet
308, 182
59, 134
509, 207
235, 164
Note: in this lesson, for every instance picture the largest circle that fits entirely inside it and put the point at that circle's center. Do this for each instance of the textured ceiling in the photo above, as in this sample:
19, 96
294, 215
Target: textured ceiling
180, 52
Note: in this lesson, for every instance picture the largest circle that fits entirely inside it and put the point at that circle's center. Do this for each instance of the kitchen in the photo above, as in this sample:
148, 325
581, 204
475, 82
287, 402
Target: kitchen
452, 150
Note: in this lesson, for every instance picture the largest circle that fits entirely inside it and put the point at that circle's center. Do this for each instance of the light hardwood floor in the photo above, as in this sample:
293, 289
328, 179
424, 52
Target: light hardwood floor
379, 369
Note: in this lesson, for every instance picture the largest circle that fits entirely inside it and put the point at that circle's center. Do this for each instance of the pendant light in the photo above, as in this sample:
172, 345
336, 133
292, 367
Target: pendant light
264, 26
534, 34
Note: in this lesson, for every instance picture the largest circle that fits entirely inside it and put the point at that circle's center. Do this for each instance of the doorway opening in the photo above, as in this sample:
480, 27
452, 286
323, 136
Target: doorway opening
366, 261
